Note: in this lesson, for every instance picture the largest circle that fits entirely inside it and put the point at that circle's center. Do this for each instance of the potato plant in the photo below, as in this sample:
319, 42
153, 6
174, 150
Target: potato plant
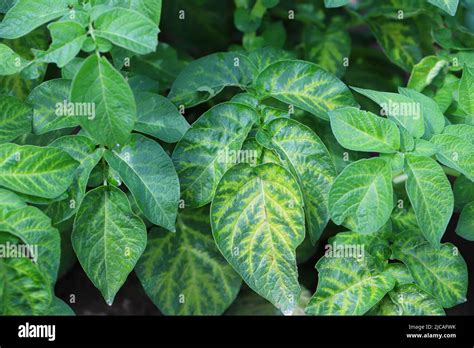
216, 177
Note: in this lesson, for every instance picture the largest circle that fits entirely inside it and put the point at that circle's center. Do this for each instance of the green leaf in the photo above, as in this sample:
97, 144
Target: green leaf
425, 71
257, 221
445, 94
348, 286
150, 8
23, 288
99, 84
432, 115
448, 6
453, 152
157, 116
430, 195
108, 239
464, 131
206, 77
364, 131
37, 171
59, 308
15, 118
68, 38
50, 106
154, 184
362, 195
466, 91
34, 229
82, 150
9, 200
335, 3
399, 108
399, 39
465, 227
12, 63
463, 190
28, 15
263, 57
207, 150
305, 155
184, 273
441, 272
128, 29
304, 85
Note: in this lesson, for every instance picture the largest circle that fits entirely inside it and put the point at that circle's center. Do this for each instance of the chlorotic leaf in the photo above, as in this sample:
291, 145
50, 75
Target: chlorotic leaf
153, 183
362, 195
34, 229
23, 288
51, 106
209, 149
363, 131
82, 149
257, 221
441, 272
307, 157
348, 286
304, 85
37, 171
206, 77
184, 272
15, 118
108, 239
430, 195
